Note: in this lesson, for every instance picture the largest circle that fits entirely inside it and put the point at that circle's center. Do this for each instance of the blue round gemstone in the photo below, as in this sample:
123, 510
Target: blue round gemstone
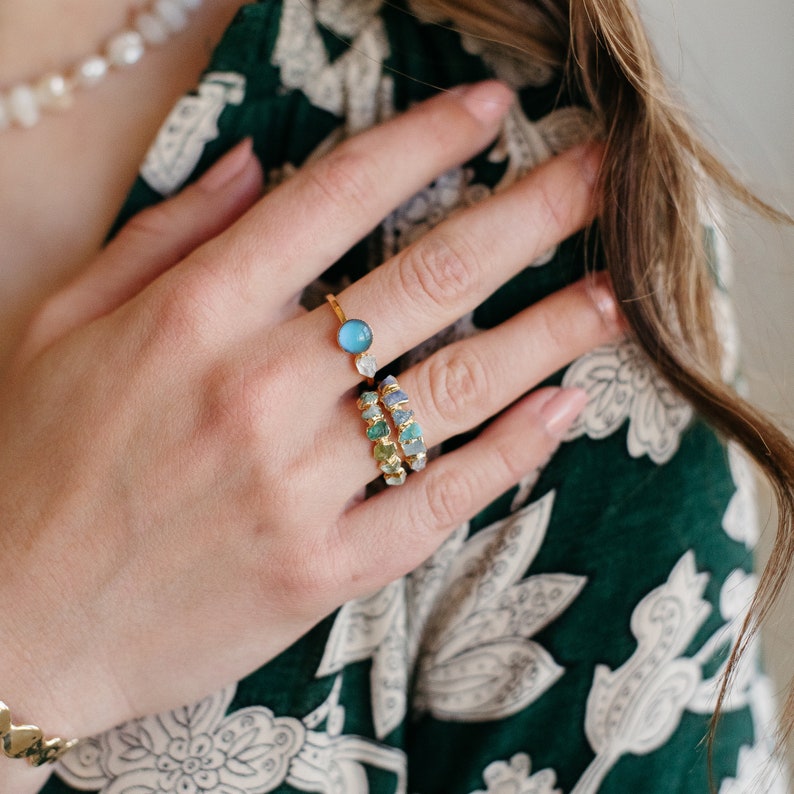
354, 336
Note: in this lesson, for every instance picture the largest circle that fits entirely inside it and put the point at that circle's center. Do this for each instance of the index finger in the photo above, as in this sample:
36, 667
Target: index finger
300, 229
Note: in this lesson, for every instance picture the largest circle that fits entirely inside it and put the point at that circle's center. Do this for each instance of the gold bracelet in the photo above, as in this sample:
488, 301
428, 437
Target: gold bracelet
28, 742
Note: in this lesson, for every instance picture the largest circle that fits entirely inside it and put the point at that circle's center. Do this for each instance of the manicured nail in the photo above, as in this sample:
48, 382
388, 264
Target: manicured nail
590, 156
600, 290
487, 101
228, 167
560, 411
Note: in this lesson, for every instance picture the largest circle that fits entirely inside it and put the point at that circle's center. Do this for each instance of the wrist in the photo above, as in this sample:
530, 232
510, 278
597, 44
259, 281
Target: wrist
48, 680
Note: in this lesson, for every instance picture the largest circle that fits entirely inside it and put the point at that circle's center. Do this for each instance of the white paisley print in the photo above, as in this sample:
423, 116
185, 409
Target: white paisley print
251, 751
460, 638
516, 777
623, 385
189, 127
462, 624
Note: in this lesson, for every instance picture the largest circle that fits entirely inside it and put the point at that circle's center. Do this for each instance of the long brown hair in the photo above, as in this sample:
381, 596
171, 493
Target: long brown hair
659, 269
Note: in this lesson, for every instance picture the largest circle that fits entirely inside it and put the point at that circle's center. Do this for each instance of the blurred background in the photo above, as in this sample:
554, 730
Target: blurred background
733, 61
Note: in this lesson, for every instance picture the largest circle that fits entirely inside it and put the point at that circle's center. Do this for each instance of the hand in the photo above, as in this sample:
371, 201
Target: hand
181, 451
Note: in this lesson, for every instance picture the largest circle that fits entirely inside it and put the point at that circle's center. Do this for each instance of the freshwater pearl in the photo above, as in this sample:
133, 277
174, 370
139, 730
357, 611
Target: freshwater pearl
152, 28
172, 14
21, 105
54, 92
126, 48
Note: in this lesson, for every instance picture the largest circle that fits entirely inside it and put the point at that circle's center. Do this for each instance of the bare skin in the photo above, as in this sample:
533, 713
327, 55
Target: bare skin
60, 195
216, 536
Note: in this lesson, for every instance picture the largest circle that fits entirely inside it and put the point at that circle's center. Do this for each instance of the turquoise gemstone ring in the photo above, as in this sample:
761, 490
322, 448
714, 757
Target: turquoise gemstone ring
355, 337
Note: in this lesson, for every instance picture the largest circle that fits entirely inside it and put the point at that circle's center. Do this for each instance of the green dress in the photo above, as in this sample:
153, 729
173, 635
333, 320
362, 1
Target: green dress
567, 639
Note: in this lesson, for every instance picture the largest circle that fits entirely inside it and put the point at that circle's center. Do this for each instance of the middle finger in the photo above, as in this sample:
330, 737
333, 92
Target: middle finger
453, 268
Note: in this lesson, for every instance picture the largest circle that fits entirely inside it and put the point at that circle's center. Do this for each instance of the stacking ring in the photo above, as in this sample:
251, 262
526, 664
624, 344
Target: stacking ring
378, 430
409, 433
355, 337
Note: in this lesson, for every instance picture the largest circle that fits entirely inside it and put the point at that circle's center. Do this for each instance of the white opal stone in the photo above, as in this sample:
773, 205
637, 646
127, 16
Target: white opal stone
54, 92
126, 48
366, 365
5, 116
172, 14
22, 105
91, 70
152, 28
191, 5
418, 462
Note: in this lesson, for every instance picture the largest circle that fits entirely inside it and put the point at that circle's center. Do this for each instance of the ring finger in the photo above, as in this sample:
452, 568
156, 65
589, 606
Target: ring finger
469, 381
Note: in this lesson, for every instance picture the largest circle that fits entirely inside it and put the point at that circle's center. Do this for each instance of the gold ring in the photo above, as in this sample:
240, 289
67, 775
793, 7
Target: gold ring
378, 430
355, 337
409, 433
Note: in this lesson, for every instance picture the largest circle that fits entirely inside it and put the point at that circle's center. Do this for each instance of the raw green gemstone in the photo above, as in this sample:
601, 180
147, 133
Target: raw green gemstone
411, 432
367, 398
391, 468
384, 450
377, 430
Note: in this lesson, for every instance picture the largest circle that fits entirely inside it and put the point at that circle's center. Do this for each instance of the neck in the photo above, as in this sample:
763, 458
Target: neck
50, 35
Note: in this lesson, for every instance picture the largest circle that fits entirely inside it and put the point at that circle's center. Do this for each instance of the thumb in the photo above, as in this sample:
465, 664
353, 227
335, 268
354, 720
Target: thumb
150, 243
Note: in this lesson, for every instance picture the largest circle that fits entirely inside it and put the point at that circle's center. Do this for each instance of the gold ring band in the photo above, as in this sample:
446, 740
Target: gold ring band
379, 431
355, 337
409, 433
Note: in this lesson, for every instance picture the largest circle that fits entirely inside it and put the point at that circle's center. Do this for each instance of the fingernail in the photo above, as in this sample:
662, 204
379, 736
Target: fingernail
487, 101
228, 167
600, 291
560, 411
590, 156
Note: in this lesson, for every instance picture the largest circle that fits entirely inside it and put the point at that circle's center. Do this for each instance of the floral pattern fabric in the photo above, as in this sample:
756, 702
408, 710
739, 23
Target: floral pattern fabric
567, 640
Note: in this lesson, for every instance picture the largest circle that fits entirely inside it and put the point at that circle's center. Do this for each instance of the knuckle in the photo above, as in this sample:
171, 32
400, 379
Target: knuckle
554, 207
456, 384
449, 497
555, 334
346, 178
440, 269
505, 465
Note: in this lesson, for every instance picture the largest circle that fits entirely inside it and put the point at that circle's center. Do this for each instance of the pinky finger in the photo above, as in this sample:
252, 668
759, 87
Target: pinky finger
389, 535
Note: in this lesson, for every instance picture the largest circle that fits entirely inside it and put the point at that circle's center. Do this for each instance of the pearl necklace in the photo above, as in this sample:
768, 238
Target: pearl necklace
22, 104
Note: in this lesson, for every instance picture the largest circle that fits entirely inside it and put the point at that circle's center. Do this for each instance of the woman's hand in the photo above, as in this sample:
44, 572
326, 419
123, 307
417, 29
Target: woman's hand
181, 454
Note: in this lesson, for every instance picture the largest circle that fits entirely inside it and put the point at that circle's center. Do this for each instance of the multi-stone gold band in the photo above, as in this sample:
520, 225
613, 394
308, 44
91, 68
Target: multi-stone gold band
378, 430
409, 434
392, 398
355, 337
28, 742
